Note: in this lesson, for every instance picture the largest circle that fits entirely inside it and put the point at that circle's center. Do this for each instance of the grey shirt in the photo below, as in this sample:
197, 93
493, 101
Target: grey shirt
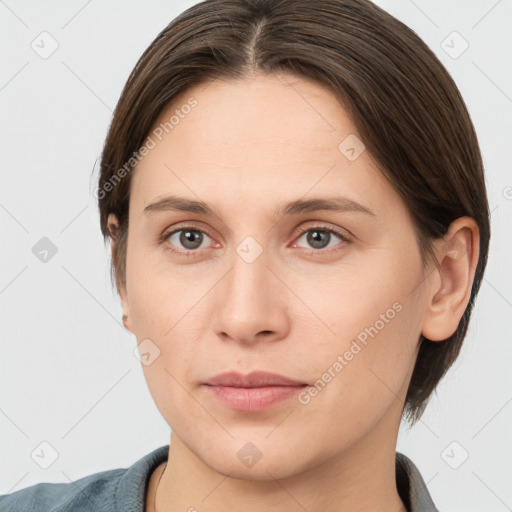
124, 489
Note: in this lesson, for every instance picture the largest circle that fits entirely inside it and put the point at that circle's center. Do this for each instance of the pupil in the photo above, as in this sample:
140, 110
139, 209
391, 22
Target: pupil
313, 238
191, 237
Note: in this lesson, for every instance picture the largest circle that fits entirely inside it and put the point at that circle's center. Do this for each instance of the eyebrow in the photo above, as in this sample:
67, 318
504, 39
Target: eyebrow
337, 204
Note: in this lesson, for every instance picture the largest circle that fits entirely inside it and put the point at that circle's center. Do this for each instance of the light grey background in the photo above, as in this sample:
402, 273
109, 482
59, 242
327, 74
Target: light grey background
68, 375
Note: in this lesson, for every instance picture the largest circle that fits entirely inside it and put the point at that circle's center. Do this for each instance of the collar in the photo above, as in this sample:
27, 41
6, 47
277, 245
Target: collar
130, 493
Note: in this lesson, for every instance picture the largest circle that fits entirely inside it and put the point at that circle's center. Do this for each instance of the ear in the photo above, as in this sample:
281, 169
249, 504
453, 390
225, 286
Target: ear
113, 227
449, 286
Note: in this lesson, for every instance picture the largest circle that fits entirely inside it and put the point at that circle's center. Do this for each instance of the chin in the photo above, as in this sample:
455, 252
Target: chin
261, 459
262, 471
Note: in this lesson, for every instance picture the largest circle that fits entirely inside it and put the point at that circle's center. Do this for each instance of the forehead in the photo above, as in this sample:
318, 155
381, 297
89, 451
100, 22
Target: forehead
268, 136
268, 110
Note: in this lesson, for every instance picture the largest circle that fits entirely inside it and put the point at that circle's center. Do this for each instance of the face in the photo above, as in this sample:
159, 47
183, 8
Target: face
330, 298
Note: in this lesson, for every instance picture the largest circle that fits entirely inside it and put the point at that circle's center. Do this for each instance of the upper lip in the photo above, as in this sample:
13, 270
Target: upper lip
254, 379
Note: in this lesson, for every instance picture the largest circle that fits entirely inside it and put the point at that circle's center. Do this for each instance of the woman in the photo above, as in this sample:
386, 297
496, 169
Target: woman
295, 201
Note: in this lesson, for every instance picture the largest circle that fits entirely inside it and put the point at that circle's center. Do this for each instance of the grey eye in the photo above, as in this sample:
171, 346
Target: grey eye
189, 239
318, 238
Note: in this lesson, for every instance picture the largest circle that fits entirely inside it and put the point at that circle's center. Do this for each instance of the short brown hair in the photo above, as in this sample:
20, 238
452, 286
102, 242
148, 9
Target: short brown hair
403, 102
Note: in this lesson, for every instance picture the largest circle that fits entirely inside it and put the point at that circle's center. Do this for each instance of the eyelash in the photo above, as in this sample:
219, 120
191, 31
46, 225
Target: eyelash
302, 230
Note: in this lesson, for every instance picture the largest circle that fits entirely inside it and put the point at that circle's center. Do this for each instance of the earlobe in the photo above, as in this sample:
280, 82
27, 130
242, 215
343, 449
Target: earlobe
113, 227
127, 322
450, 286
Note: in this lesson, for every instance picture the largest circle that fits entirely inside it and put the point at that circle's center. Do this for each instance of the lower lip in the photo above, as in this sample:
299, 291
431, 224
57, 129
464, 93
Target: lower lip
253, 399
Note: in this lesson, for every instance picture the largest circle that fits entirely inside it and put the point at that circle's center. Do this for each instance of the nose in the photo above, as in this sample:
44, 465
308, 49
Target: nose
252, 303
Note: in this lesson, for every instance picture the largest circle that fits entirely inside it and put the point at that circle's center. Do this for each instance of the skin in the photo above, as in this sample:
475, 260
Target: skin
247, 147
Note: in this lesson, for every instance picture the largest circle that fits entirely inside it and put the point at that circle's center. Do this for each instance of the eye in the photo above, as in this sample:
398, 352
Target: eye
188, 237
319, 237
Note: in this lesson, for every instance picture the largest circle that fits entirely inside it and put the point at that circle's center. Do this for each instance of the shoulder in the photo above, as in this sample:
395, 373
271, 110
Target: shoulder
411, 486
110, 491
78, 496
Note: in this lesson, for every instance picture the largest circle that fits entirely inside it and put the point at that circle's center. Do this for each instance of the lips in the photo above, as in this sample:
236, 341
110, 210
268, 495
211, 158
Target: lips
256, 379
254, 392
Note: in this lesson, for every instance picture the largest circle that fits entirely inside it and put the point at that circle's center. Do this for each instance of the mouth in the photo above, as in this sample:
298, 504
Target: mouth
254, 392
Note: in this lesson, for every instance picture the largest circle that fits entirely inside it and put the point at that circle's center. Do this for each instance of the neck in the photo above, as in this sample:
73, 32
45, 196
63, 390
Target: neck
361, 478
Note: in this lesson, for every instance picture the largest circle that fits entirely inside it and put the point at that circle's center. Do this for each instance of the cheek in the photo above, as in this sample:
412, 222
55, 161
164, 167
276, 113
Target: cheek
156, 298
365, 290
162, 319
374, 324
